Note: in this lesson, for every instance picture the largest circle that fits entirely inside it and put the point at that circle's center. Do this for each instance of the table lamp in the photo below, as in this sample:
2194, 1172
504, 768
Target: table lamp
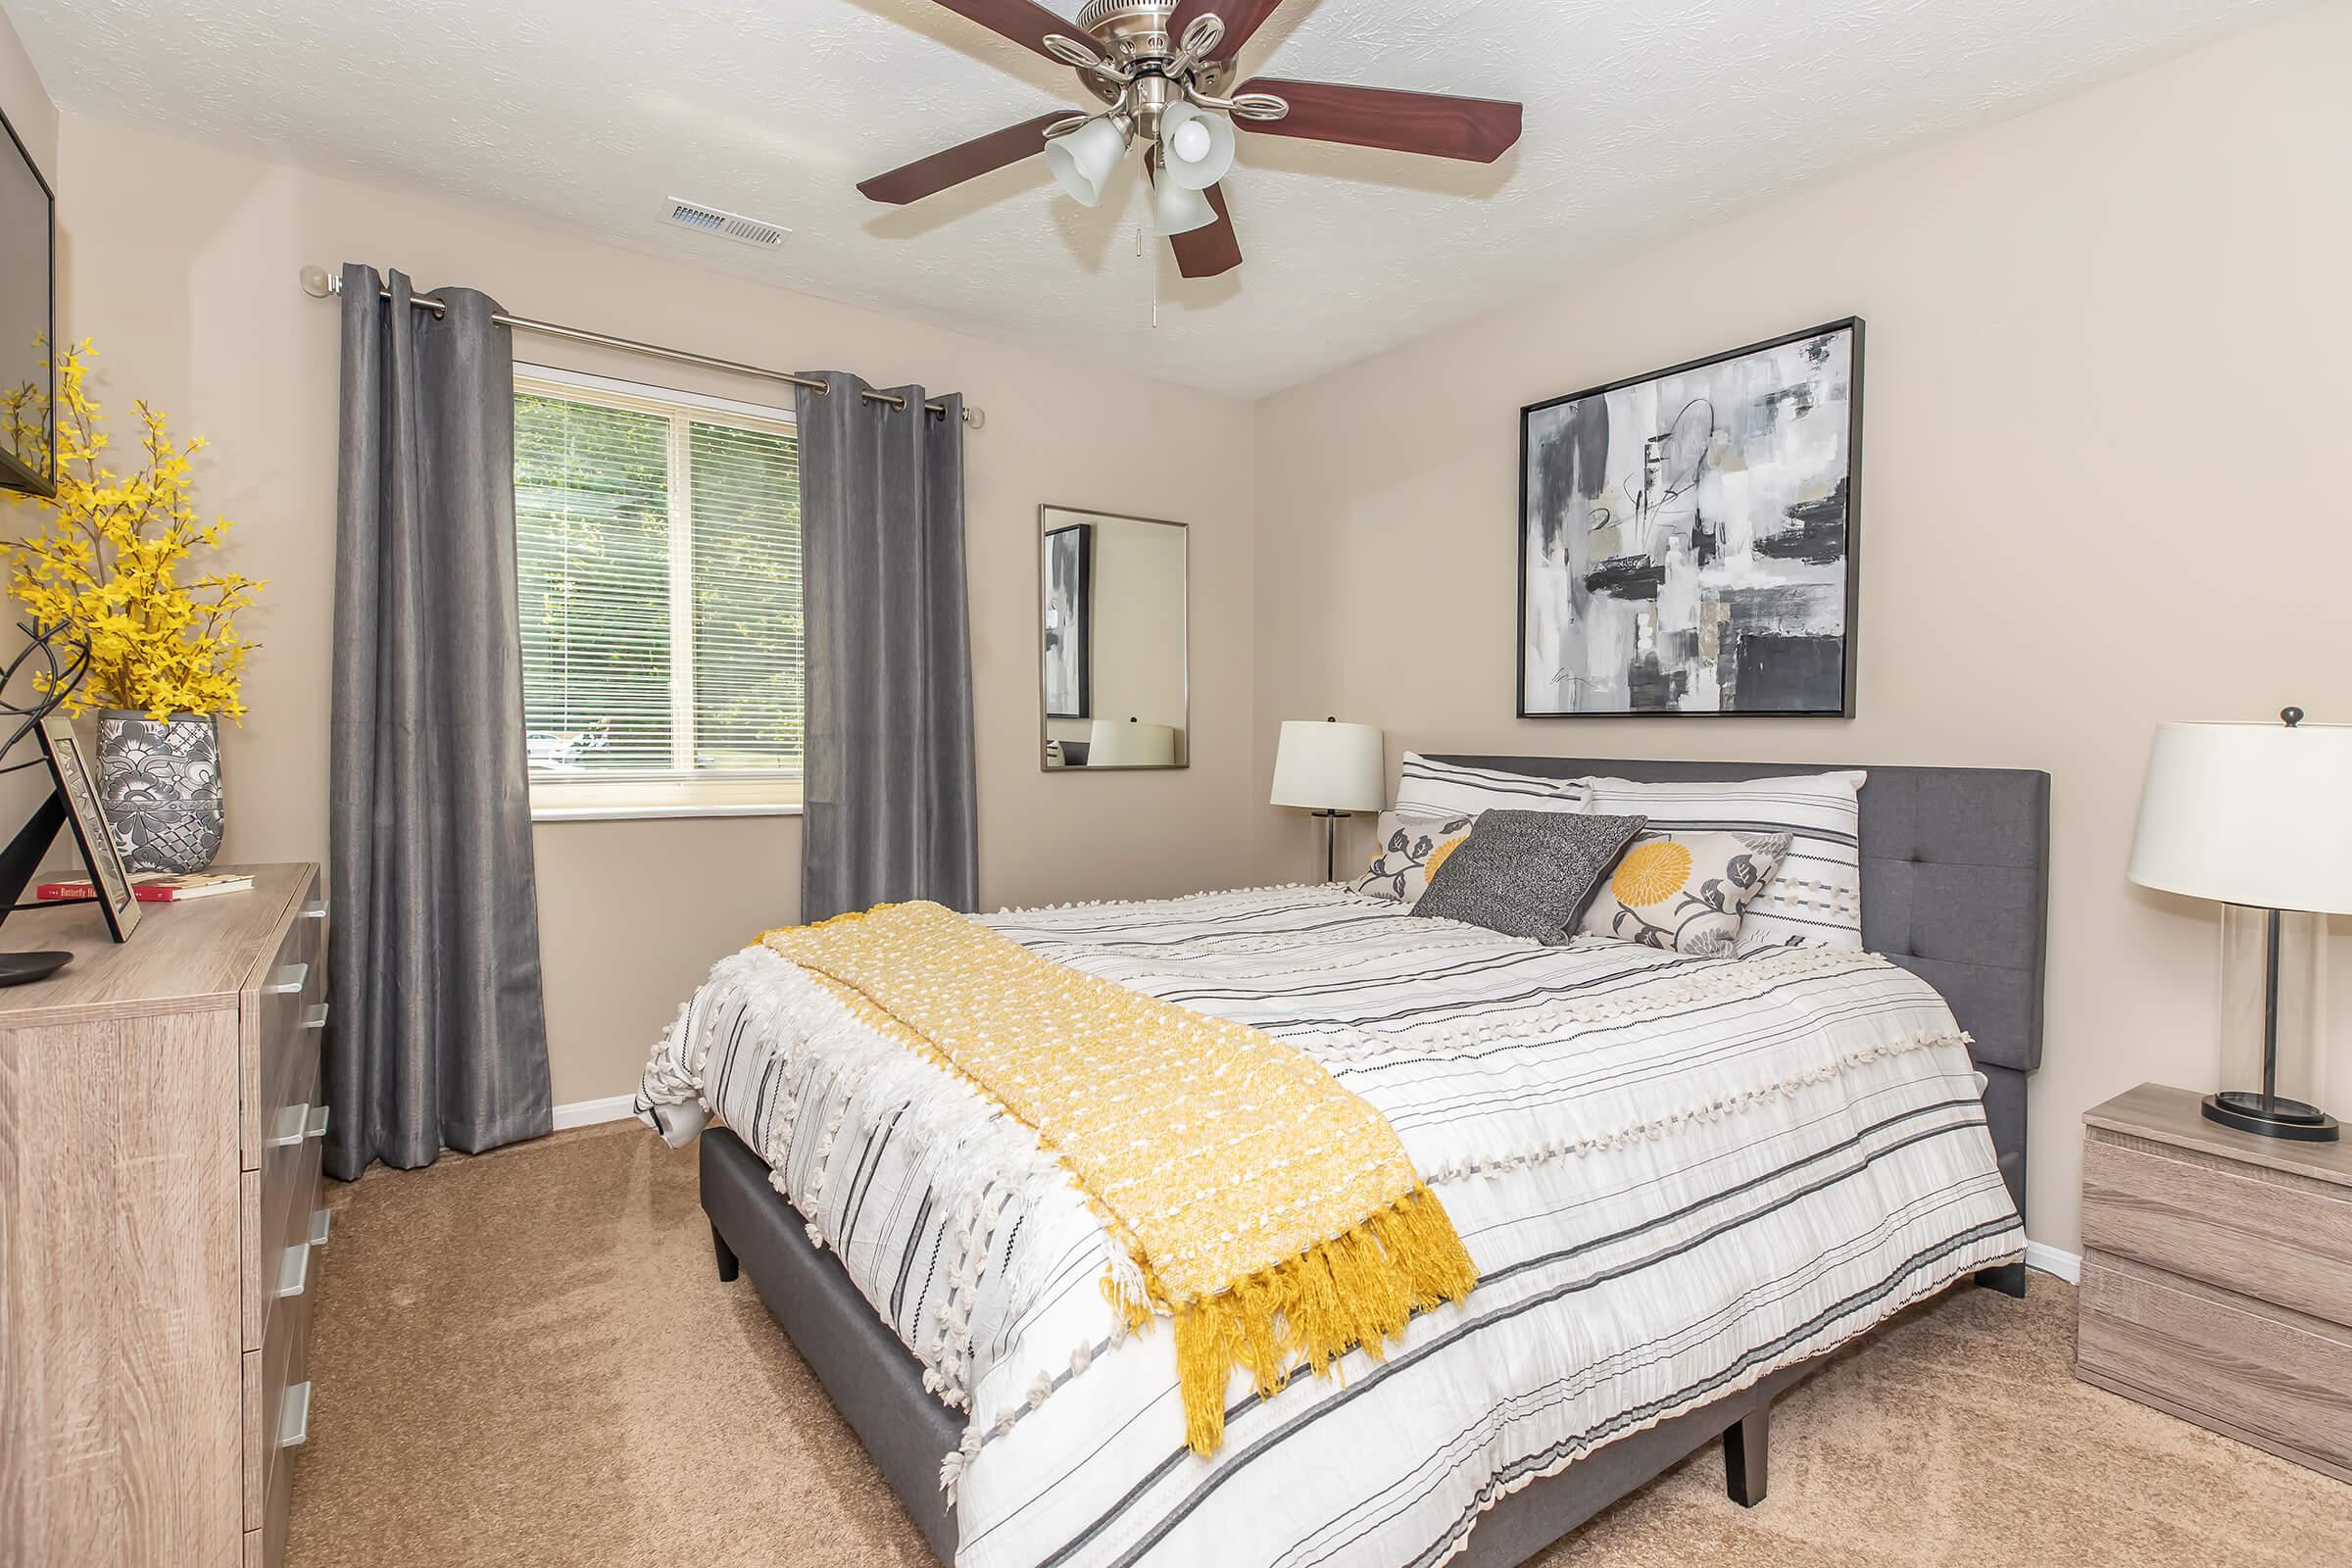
1112, 742
2253, 814
1333, 768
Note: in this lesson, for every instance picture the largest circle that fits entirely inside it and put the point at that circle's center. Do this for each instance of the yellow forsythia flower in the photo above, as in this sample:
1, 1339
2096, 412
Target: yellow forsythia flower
107, 558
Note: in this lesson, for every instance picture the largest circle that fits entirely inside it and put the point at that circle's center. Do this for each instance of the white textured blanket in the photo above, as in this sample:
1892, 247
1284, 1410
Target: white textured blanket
1675, 1174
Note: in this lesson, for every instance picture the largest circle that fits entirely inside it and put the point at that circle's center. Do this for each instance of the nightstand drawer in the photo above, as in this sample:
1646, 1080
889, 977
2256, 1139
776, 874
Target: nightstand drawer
2277, 1380
2267, 1234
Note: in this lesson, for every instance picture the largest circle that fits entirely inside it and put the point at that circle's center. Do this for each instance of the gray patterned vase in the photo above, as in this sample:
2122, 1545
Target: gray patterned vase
159, 780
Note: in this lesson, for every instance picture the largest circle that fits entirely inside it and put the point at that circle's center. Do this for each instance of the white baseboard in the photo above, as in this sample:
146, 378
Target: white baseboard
2068, 1266
615, 1108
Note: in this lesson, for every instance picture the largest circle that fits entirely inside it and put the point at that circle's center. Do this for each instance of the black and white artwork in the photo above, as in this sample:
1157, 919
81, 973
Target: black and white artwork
1687, 538
1069, 616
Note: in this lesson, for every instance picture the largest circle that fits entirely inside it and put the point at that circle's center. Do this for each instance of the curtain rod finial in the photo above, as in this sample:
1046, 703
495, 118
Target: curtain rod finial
318, 283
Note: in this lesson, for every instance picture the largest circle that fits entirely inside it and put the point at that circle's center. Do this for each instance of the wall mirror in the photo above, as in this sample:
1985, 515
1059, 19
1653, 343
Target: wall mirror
1111, 647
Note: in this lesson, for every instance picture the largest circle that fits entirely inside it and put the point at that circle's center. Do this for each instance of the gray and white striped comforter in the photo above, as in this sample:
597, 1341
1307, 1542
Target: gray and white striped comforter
1676, 1175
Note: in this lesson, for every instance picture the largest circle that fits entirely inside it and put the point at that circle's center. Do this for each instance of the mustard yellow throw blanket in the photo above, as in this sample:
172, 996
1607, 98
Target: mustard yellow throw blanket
1270, 1213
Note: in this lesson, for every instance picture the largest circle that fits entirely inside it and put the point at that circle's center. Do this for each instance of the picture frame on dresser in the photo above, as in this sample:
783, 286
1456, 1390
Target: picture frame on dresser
1687, 537
93, 835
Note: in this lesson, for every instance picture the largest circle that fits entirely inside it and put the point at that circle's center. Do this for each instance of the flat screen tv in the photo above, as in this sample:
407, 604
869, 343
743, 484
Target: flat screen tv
27, 321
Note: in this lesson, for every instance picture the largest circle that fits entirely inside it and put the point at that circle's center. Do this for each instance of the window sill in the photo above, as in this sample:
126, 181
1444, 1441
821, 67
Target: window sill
647, 813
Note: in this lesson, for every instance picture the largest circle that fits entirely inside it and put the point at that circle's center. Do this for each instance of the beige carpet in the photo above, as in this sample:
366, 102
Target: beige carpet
527, 1358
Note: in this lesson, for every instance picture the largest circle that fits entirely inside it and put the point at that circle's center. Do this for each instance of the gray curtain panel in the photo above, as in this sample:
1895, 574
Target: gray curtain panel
436, 1035
890, 798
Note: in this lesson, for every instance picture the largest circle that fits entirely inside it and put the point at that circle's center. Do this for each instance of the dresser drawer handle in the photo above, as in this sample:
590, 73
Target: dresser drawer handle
294, 1421
298, 1122
293, 1124
315, 909
294, 1271
287, 982
320, 1220
316, 1018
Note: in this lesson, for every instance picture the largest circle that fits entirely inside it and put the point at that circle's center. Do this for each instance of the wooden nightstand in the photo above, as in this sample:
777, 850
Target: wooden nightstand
2217, 1276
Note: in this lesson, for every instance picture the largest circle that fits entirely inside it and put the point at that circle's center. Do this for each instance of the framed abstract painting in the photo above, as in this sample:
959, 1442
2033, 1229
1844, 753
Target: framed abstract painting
1069, 621
1687, 538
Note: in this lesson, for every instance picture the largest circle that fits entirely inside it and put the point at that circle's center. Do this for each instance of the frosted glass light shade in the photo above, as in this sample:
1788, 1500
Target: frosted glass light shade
1083, 160
2249, 813
1328, 767
1184, 157
1179, 209
1130, 743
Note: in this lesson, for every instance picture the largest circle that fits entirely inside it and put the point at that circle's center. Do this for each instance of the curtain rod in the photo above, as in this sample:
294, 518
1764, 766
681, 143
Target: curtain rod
318, 283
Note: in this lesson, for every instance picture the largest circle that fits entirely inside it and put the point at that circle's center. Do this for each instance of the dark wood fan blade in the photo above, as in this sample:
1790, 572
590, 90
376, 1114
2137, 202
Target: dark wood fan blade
1242, 19
1202, 252
926, 176
1024, 22
1213, 251
1478, 130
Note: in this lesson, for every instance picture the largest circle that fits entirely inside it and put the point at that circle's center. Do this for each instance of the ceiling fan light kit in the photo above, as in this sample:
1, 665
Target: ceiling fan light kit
1179, 209
1195, 149
1083, 160
1160, 67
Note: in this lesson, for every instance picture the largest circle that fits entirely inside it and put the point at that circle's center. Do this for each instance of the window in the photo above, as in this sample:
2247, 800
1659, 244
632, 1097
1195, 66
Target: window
658, 547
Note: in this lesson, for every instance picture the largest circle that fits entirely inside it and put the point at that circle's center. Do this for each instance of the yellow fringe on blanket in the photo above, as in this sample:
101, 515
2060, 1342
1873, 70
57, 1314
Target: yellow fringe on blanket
1357, 1289
1271, 1214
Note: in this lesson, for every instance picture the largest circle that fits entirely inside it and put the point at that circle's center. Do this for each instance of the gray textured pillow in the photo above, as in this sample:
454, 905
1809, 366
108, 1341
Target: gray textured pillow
1528, 874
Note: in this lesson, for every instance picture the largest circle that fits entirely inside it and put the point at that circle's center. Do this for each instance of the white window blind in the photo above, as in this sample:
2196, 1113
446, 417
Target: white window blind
659, 562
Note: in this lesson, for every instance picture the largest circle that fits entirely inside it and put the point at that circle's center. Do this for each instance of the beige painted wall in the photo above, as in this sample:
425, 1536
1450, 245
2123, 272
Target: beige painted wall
25, 102
2107, 456
182, 261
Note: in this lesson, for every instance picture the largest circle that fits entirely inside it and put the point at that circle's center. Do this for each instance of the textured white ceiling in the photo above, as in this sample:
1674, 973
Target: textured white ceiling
1643, 117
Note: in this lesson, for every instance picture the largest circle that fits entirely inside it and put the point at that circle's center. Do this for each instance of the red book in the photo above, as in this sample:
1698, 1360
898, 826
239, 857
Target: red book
155, 887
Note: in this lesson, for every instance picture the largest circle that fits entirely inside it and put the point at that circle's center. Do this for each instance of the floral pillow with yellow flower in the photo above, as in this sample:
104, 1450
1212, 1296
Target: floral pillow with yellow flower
1411, 848
1686, 891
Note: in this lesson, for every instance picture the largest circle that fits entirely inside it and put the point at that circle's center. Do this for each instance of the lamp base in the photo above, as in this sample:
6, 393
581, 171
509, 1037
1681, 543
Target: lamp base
2271, 1117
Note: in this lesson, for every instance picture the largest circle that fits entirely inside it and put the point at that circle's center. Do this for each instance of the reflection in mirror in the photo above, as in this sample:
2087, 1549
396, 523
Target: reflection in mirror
1112, 649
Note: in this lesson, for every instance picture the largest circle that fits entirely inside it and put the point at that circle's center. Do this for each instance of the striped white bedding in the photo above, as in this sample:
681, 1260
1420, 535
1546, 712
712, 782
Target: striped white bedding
1675, 1174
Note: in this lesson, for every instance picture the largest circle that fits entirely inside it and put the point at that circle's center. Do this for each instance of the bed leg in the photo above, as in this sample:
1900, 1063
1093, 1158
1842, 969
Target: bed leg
2009, 1279
1746, 1449
728, 1266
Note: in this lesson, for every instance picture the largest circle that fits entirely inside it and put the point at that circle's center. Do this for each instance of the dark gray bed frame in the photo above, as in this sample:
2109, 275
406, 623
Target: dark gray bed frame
1954, 888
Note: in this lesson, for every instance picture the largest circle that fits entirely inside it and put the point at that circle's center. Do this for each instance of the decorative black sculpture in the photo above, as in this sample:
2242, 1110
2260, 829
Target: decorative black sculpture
53, 678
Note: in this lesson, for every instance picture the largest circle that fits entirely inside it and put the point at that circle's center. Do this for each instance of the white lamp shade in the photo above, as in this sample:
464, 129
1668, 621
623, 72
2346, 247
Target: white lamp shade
2249, 813
1130, 743
1179, 209
1083, 160
1328, 767
1195, 149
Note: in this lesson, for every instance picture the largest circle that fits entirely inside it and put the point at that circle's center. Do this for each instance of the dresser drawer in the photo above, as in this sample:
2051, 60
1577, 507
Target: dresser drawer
284, 1019
277, 1373
290, 1190
2274, 1378
2266, 1234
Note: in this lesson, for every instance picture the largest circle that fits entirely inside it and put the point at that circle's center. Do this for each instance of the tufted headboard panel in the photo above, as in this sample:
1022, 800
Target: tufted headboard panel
1955, 888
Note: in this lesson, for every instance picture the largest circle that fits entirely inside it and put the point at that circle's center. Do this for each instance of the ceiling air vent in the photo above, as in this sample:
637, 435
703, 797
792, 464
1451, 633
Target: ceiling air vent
725, 225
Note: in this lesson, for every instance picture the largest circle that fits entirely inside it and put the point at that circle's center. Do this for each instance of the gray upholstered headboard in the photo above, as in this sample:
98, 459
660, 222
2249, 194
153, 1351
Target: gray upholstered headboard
1955, 888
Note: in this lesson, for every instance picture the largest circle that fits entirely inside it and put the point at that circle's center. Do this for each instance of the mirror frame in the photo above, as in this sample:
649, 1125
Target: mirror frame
1037, 612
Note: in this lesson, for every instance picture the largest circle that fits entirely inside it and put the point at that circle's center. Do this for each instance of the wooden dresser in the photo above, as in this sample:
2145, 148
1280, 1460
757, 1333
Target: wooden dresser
2217, 1276
161, 1228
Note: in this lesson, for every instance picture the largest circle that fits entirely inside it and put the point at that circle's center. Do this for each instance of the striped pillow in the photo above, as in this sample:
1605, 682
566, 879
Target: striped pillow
1815, 899
1429, 788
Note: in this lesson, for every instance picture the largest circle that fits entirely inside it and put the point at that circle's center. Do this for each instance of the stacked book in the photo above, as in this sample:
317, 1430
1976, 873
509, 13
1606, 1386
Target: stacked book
154, 887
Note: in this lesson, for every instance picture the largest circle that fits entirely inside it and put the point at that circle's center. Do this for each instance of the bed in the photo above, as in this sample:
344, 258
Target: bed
1683, 1181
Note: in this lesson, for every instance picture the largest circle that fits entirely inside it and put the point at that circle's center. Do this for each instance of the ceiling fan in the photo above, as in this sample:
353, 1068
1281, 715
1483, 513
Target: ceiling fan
1159, 65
